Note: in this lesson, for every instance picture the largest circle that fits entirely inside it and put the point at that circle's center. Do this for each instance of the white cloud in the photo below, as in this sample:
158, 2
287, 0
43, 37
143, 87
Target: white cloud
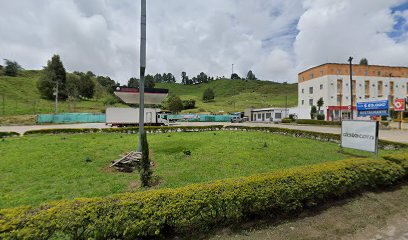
194, 36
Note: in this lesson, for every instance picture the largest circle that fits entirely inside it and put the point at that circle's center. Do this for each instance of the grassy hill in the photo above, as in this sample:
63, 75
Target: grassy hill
243, 94
21, 96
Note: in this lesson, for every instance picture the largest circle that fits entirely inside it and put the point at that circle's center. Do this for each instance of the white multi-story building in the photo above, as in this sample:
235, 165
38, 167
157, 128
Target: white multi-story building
331, 82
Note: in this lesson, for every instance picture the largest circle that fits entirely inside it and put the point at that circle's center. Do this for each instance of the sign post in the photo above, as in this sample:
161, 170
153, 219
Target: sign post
361, 135
399, 106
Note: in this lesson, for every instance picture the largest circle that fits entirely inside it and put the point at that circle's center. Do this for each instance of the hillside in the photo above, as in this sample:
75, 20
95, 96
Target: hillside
243, 93
21, 96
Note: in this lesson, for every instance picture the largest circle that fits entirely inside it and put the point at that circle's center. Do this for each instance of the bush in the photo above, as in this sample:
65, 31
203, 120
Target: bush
8, 134
208, 95
317, 122
199, 207
189, 104
320, 116
400, 159
286, 120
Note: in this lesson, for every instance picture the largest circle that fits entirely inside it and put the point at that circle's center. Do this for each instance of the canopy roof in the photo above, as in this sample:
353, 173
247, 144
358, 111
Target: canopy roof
132, 96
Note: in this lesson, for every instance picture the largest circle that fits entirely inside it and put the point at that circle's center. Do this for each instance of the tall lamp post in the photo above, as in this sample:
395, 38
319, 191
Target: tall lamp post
351, 86
142, 71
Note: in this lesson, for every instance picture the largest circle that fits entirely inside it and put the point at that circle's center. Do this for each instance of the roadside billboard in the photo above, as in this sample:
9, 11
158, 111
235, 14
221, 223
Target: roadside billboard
373, 108
399, 104
361, 135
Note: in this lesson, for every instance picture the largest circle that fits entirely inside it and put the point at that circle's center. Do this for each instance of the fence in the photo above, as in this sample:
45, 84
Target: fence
71, 118
201, 118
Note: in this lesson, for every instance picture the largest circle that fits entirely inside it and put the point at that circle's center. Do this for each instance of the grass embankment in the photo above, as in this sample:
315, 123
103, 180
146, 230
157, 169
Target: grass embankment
21, 97
34, 169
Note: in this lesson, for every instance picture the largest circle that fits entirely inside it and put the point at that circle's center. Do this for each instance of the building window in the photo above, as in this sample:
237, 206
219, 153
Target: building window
268, 115
379, 73
380, 88
303, 90
367, 87
366, 73
321, 86
391, 88
259, 116
310, 90
339, 86
311, 76
339, 100
278, 115
303, 102
310, 102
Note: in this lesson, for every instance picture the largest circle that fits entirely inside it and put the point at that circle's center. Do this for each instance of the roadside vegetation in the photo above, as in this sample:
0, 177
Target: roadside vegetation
77, 165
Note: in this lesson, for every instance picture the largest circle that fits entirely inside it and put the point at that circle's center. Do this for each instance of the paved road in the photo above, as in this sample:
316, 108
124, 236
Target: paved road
391, 135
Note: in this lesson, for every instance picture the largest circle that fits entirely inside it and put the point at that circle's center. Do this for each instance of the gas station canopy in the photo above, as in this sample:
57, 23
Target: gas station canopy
132, 96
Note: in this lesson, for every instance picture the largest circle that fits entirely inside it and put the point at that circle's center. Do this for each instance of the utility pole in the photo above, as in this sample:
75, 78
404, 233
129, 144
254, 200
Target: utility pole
142, 71
351, 86
232, 69
56, 98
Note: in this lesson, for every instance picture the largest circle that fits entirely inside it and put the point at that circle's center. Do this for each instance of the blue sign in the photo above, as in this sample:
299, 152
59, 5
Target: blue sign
373, 108
374, 105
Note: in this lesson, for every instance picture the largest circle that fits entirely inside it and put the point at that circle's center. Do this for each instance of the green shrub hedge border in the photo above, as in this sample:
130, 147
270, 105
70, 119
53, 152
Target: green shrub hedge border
317, 122
326, 137
8, 134
199, 207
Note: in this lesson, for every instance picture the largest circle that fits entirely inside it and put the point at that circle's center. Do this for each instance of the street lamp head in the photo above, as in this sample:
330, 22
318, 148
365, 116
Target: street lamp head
350, 59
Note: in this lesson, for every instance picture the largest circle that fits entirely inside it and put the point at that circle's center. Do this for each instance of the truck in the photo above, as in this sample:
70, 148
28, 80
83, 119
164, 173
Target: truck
123, 117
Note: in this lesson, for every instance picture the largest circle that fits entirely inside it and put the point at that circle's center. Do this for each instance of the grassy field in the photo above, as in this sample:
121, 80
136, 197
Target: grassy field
34, 169
21, 96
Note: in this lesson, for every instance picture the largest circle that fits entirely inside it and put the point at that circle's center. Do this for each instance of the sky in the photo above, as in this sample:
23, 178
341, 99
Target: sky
276, 39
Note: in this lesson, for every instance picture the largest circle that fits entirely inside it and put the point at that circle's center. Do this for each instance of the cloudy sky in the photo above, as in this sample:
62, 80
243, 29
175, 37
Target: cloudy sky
275, 38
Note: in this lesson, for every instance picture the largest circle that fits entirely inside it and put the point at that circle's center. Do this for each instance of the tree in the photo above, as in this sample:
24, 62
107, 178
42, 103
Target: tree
184, 78
251, 75
320, 103
364, 61
12, 67
72, 85
175, 104
86, 86
235, 76
145, 171
189, 104
106, 82
149, 81
133, 82
53, 75
313, 112
208, 95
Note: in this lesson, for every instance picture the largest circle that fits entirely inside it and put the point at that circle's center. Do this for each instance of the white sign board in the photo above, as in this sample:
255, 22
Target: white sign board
361, 135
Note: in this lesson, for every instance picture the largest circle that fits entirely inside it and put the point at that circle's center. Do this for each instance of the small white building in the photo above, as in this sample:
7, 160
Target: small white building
267, 114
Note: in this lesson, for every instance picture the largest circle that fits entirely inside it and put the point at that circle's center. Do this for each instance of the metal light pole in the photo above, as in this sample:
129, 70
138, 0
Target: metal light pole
232, 69
351, 86
142, 71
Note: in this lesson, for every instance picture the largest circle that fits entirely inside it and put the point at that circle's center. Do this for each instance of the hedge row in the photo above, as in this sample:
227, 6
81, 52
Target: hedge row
317, 122
199, 207
8, 134
327, 137
149, 129
400, 159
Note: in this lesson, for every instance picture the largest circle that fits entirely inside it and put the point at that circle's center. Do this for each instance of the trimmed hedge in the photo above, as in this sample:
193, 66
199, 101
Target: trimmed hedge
199, 207
149, 129
400, 159
319, 136
317, 122
8, 134
287, 120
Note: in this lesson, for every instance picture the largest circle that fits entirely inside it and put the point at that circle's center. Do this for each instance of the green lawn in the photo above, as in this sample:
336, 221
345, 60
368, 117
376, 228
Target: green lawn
34, 169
